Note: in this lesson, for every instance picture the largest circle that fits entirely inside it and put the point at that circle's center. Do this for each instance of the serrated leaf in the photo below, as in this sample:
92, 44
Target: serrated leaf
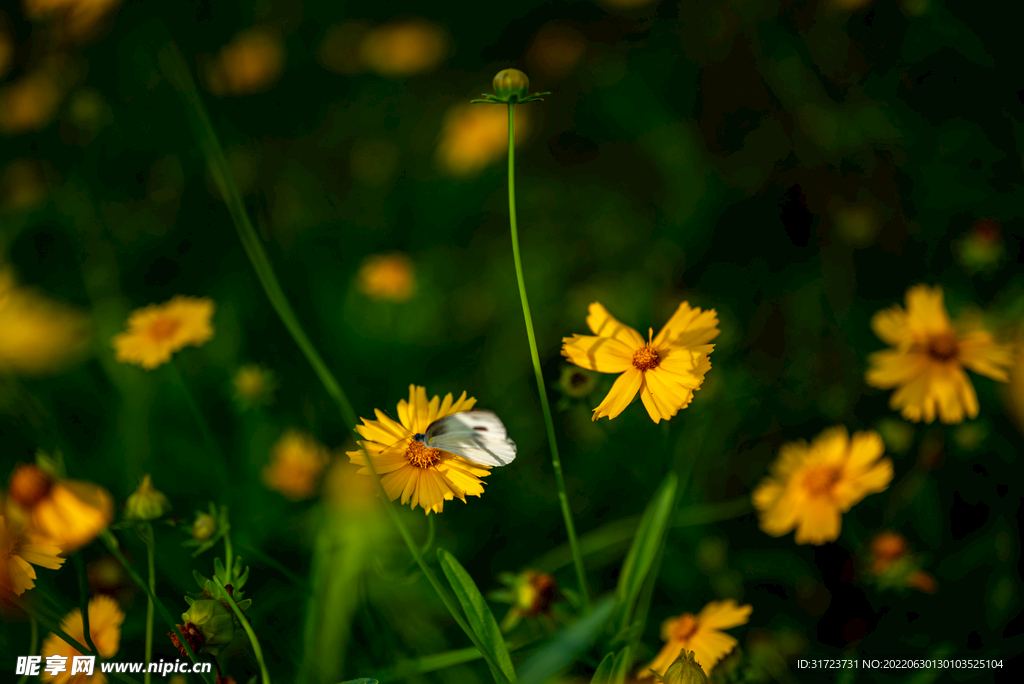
567, 645
479, 614
648, 539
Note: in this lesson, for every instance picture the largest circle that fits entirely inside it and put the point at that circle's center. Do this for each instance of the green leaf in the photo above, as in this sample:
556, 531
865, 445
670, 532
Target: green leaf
481, 619
641, 556
613, 668
567, 645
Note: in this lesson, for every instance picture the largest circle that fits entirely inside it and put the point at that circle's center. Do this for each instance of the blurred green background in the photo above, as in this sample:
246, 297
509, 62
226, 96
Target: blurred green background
793, 165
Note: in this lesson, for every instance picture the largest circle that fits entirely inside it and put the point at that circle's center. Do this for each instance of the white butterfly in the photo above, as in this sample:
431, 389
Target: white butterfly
477, 436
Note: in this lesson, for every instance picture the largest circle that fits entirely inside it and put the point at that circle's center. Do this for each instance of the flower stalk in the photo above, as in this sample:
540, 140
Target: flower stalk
549, 424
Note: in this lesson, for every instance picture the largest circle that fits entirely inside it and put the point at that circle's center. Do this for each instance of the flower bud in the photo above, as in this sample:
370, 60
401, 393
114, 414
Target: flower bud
213, 621
203, 527
146, 503
511, 85
576, 382
685, 670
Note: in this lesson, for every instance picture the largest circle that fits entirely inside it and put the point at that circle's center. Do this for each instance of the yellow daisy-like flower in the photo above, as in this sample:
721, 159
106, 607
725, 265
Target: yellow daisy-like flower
701, 633
387, 276
156, 331
475, 137
20, 549
105, 618
812, 485
296, 461
409, 469
68, 512
929, 356
251, 63
404, 48
666, 369
37, 335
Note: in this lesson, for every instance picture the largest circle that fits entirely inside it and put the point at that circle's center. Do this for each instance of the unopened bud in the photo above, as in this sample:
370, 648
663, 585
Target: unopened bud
213, 621
146, 503
511, 85
203, 527
685, 670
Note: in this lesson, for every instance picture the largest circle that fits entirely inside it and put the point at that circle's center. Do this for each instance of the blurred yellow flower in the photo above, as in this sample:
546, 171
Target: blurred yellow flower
929, 356
344, 489
254, 385
156, 331
296, 461
29, 103
251, 63
37, 335
701, 633
78, 17
403, 48
555, 51
475, 137
666, 370
68, 512
105, 618
810, 486
420, 475
20, 549
387, 276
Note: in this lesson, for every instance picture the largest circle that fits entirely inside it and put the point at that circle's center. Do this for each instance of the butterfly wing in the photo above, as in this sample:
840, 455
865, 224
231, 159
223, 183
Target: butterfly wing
477, 436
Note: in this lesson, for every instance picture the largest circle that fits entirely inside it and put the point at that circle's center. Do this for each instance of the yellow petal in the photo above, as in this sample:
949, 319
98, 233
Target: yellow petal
980, 353
603, 324
819, 522
893, 368
621, 393
891, 325
603, 354
723, 615
710, 647
926, 311
661, 396
689, 327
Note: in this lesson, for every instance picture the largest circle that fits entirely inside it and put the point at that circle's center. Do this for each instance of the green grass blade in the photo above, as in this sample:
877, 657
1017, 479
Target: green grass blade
644, 551
567, 645
479, 614
605, 670
622, 663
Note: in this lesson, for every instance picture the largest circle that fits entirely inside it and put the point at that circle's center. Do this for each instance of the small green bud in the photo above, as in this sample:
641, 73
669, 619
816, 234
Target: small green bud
214, 621
203, 527
684, 670
146, 503
511, 85
576, 382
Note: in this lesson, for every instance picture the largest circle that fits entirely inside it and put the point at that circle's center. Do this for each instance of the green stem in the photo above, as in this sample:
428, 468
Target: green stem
174, 67
112, 544
227, 551
248, 630
150, 608
212, 447
83, 601
430, 536
33, 643
549, 423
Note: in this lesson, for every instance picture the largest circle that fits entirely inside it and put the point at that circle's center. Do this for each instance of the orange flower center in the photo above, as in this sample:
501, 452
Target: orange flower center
163, 329
684, 627
820, 481
29, 485
943, 348
422, 456
645, 359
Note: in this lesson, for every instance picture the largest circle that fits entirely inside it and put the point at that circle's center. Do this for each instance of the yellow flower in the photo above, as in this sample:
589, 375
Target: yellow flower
666, 370
404, 48
20, 549
28, 104
69, 512
812, 485
37, 335
254, 386
475, 137
701, 633
344, 490
407, 468
105, 618
929, 356
387, 276
79, 17
156, 331
296, 461
250, 63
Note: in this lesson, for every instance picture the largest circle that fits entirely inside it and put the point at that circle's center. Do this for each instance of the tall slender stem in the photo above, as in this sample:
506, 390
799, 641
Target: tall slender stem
83, 599
248, 630
549, 423
150, 608
33, 643
175, 68
210, 442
